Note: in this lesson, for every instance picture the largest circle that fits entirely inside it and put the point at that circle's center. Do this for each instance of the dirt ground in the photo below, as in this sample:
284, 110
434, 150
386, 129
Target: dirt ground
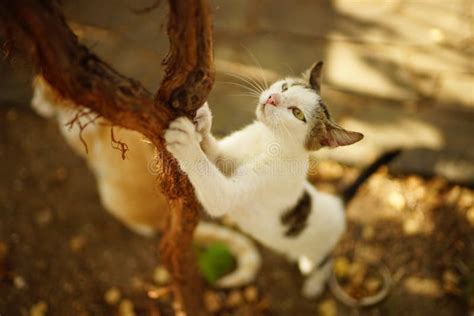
61, 253
60, 249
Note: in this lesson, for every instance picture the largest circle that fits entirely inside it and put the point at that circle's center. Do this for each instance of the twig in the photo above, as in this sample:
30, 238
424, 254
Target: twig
76, 120
82, 77
117, 144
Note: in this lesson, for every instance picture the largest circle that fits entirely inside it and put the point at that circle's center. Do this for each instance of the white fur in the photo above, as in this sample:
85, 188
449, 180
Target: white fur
127, 188
256, 174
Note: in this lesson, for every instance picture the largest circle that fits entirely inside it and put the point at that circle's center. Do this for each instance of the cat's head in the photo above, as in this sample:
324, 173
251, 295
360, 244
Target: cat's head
294, 106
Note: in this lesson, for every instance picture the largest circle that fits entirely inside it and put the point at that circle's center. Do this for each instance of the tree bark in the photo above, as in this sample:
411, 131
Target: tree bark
38, 29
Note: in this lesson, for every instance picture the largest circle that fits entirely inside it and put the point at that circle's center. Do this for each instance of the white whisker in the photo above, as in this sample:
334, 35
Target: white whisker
258, 64
248, 80
240, 85
244, 95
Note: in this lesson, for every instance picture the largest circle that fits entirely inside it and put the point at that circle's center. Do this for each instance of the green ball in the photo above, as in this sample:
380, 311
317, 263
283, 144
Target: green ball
215, 261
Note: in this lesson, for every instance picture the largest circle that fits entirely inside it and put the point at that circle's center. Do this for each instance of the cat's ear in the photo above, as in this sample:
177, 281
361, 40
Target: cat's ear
315, 76
336, 136
329, 134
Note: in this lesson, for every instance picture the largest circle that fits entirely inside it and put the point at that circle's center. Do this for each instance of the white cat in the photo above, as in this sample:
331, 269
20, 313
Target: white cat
127, 188
257, 176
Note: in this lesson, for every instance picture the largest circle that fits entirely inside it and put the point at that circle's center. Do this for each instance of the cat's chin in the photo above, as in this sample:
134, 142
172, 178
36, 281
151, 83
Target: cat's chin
265, 116
260, 113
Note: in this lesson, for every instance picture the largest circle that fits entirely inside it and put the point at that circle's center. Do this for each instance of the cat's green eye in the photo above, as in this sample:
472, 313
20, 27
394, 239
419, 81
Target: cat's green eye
298, 114
284, 87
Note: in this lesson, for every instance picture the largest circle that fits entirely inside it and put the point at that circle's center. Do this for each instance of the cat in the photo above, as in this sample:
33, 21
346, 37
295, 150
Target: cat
121, 194
128, 189
257, 176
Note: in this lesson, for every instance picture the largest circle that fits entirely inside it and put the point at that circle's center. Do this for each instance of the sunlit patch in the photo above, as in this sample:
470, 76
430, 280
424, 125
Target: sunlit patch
396, 200
423, 286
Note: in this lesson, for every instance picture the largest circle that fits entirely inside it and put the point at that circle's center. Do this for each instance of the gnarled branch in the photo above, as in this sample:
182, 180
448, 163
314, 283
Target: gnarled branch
38, 29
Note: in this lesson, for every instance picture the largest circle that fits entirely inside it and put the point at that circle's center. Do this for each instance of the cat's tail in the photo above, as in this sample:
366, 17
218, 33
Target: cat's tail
352, 189
247, 256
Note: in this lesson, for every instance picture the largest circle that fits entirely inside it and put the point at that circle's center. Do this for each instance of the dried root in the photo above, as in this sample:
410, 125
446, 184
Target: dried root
90, 116
117, 144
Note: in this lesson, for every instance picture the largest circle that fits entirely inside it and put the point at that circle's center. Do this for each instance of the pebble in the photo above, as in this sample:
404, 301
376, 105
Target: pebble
327, 308
450, 281
450, 276
234, 299
44, 216
19, 282
112, 296
251, 294
341, 267
160, 275
157, 293
77, 243
126, 308
423, 287
212, 301
39, 309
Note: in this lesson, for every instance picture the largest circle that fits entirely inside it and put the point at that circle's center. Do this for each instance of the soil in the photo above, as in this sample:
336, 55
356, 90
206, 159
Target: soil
60, 252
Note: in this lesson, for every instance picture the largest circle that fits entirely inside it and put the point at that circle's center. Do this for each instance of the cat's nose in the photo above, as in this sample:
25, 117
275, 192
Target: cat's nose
273, 99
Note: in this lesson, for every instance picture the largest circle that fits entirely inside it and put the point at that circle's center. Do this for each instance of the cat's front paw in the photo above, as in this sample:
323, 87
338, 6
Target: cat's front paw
182, 139
203, 120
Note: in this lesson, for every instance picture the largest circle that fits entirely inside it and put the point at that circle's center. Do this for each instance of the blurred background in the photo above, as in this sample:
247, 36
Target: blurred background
401, 72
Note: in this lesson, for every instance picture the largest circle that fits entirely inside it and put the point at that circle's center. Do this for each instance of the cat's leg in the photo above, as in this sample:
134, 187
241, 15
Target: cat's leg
203, 122
217, 193
315, 283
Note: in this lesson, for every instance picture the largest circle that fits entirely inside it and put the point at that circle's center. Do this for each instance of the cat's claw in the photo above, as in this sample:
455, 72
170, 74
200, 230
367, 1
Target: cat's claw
203, 119
182, 139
